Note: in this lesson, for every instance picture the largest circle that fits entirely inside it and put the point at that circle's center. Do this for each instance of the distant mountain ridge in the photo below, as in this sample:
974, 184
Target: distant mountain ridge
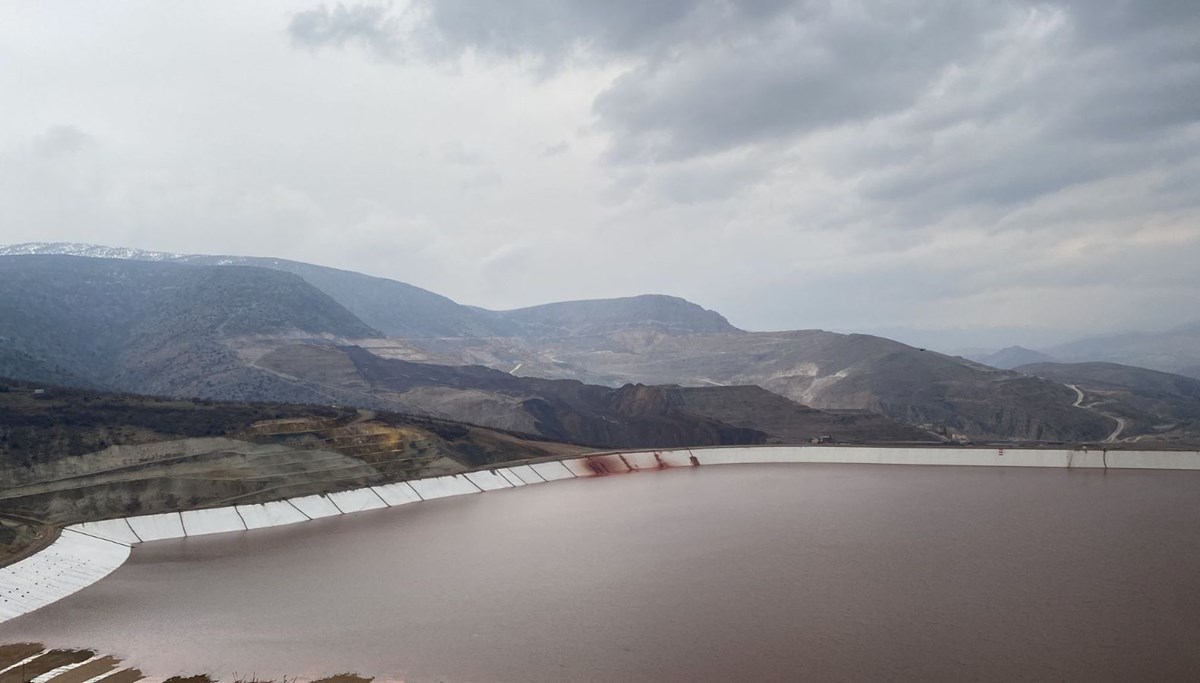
1176, 350
1013, 356
155, 327
181, 329
181, 347
402, 310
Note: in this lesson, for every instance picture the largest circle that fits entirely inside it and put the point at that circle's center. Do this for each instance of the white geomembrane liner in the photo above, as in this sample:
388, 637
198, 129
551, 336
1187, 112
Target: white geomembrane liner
552, 471
315, 507
1154, 460
279, 513
579, 467
488, 481
71, 563
397, 494
357, 500
510, 476
641, 461
157, 527
214, 521
442, 487
527, 475
85, 553
112, 529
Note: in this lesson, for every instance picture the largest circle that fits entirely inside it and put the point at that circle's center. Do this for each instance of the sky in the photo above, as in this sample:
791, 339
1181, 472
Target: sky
953, 173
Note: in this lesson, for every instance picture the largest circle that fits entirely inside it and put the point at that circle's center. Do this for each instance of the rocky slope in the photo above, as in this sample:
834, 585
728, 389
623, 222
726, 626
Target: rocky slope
70, 455
1151, 407
815, 368
621, 417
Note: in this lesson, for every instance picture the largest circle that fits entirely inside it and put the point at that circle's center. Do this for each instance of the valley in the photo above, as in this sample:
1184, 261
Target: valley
607, 373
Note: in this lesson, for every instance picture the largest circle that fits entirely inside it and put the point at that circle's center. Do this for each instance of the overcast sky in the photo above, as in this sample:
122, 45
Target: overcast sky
994, 171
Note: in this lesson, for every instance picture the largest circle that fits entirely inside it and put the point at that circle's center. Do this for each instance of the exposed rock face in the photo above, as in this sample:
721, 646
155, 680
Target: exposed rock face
822, 370
161, 456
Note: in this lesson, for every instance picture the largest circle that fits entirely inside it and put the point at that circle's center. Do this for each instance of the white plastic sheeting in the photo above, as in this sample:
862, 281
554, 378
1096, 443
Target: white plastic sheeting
995, 457
397, 494
157, 527
112, 529
357, 500
510, 476
279, 513
71, 563
552, 471
316, 507
579, 467
1153, 460
442, 487
527, 475
488, 480
214, 521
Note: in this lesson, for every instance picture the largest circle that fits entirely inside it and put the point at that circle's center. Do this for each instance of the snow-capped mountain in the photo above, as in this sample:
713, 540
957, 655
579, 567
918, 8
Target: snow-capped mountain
89, 250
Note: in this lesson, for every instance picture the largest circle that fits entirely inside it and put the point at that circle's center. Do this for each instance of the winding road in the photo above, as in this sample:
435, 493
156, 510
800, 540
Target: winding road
1121, 422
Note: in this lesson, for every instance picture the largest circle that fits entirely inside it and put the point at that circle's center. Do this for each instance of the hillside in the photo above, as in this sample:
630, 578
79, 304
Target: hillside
820, 369
569, 410
168, 326
394, 308
68, 455
155, 327
1148, 406
664, 314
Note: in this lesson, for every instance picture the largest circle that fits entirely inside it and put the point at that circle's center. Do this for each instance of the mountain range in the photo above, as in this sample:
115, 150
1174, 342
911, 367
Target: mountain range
639, 371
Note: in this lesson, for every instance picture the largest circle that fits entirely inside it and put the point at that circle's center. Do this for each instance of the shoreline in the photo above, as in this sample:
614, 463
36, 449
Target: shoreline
83, 553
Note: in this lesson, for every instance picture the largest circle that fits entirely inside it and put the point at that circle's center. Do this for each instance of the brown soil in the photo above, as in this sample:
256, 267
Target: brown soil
11, 654
28, 542
88, 671
123, 676
47, 662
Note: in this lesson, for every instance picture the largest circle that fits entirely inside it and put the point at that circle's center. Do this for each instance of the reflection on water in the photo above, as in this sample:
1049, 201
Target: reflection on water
785, 572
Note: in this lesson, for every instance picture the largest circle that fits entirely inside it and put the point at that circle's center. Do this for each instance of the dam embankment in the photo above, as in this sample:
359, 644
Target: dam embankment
86, 553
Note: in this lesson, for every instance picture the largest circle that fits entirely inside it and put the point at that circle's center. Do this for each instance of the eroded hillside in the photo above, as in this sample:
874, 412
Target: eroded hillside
69, 455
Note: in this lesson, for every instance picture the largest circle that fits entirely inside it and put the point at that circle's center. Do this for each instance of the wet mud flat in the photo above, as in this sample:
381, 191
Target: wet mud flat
824, 572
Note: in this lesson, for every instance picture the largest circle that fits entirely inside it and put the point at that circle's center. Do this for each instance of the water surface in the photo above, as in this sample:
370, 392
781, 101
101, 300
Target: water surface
747, 572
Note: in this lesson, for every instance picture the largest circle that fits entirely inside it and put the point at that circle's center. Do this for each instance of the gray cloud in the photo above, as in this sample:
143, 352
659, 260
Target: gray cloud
371, 27
61, 140
792, 163
708, 76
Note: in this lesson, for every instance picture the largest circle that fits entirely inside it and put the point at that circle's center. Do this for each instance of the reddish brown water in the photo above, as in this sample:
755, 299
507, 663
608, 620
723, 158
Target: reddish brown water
735, 573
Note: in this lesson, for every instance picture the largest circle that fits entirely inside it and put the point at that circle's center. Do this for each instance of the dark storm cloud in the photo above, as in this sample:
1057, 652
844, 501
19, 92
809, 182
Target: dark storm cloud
1111, 91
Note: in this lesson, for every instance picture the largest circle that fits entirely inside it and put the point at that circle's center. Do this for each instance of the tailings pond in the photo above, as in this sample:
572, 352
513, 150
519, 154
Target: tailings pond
745, 572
